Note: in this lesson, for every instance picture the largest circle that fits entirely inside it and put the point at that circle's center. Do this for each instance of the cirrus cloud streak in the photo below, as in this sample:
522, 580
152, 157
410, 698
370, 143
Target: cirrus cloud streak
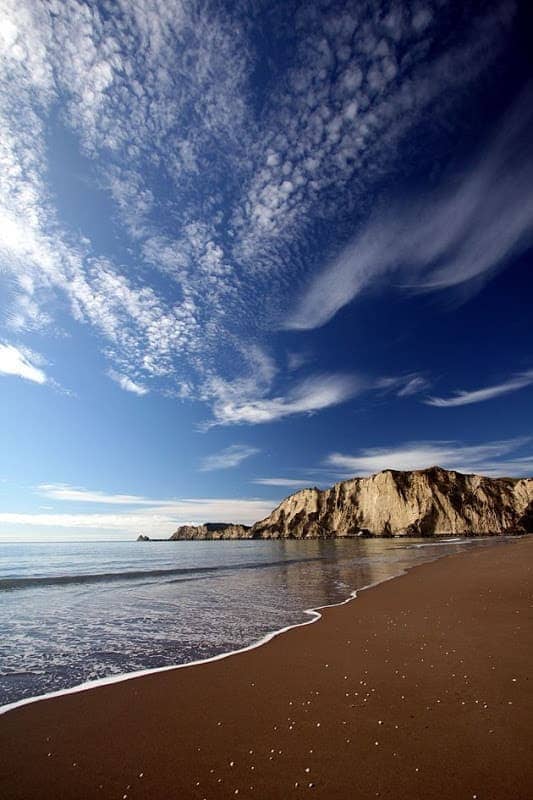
459, 234
228, 458
464, 398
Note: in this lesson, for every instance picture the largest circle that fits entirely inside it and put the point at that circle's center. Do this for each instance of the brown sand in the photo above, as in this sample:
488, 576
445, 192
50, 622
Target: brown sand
420, 688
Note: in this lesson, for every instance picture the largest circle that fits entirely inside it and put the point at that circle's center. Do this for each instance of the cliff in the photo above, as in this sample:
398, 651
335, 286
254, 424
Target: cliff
430, 502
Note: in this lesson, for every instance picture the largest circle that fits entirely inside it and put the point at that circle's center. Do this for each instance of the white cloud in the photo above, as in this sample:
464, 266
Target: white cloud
254, 401
403, 385
490, 458
231, 407
357, 84
296, 360
464, 398
414, 385
18, 361
128, 384
127, 84
289, 482
230, 457
460, 234
157, 90
152, 516
73, 494
158, 520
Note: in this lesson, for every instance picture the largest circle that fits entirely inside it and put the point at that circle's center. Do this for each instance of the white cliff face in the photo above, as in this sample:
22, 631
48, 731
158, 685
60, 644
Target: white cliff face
417, 503
430, 502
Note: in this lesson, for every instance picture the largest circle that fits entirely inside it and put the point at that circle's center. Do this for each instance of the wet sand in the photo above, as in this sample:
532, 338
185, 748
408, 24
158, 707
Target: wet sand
422, 687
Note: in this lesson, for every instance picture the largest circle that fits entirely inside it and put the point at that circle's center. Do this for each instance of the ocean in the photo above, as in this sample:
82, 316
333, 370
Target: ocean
76, 612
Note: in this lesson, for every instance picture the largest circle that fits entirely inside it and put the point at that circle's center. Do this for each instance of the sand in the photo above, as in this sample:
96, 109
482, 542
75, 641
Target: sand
419, 688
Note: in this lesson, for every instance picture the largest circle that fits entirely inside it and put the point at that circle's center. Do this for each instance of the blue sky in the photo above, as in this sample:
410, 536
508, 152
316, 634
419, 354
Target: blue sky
253, 246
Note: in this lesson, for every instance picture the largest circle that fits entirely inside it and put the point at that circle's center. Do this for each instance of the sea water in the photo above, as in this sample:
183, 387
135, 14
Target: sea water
76, 612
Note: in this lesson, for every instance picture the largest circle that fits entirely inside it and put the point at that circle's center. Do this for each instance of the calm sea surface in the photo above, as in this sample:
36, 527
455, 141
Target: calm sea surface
81, 611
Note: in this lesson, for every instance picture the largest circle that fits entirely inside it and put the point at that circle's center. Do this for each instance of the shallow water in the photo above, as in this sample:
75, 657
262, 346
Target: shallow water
72, 612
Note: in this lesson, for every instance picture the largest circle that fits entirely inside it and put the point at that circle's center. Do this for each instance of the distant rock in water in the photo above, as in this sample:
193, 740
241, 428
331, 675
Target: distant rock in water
142, 538
429, 502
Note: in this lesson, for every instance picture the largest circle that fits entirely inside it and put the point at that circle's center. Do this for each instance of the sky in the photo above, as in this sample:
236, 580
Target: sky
252, 246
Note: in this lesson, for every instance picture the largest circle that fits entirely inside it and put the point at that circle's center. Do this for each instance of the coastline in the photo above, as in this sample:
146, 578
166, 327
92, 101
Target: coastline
176, 724
314, 613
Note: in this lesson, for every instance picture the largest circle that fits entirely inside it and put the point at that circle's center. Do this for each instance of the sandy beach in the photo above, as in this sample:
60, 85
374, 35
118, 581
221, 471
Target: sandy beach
419, 688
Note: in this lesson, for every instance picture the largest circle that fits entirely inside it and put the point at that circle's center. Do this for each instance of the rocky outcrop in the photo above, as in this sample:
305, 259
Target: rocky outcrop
142, 538
211, 530
430, 502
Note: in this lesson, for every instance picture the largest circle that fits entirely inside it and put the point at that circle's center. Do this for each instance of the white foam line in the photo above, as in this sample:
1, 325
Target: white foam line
314, 613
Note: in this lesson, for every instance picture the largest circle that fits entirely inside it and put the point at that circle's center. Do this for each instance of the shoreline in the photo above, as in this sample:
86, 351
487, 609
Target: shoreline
421, 689
313, 612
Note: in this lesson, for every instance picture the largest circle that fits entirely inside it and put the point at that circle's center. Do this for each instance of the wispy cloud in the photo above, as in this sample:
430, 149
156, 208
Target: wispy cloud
313, 394
158, 520
17, 361
464, 398
414, 385
127, 83
136, 513
459, 234
128, 384
216, 200
358, 79
296, 360
73, 494
230, 457
289, 482
255, 401
403, 385
490, 458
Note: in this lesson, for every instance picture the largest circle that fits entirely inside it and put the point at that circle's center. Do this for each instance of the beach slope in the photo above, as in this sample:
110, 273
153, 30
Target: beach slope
419, 688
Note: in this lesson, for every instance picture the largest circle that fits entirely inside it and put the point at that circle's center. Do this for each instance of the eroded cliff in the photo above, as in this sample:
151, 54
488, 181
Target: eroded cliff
430, 502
